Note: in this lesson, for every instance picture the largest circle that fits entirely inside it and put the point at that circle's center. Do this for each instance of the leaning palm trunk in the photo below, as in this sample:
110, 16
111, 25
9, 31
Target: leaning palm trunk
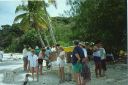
46, 38
51, 31
41, 40
50, 26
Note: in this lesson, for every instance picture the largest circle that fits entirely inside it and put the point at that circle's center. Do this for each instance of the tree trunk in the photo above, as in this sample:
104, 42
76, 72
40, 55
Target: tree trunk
41, 40
51, 32
50, 26
46, 38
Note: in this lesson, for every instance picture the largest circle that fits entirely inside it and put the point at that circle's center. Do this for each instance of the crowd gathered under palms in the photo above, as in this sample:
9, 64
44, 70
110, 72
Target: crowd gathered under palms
33, 61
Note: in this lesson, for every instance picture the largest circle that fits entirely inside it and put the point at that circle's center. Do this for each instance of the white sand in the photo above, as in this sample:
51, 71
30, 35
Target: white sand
116, 74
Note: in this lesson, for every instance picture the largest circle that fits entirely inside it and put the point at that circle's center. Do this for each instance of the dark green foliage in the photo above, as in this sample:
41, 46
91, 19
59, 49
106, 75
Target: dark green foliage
90, 21
62, 30
13, 38
9, 37
31, 38
103, 20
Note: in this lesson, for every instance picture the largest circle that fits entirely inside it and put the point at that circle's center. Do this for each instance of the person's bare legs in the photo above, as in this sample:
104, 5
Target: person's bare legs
99, 67
96, 69
73, 77
78, 77
28, 67
62, 74
83, 82
32, 70
36, 68
24, 65
40, 69
103, 68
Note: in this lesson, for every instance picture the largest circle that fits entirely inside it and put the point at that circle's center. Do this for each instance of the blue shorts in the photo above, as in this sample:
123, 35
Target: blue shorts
97, 59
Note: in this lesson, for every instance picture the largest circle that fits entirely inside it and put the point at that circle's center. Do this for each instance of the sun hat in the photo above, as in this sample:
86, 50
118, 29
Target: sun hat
82, 43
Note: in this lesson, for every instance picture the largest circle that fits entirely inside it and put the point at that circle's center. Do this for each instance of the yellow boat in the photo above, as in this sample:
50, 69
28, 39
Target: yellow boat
68, 49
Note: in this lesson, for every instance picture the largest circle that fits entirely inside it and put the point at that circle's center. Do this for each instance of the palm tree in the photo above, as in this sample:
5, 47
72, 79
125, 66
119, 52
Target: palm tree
50, 25
33, 16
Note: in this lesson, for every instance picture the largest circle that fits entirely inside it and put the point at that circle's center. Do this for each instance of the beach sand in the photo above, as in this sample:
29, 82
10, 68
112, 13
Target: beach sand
116, 74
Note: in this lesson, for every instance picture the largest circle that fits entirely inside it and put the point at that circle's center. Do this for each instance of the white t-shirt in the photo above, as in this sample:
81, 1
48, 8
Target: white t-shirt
61, 59
25, 52
85, 52
102, 53
33, 60
53, 49
29, 54
96, 53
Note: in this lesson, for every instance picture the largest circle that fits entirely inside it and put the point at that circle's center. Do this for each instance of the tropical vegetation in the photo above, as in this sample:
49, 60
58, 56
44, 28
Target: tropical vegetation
89, 21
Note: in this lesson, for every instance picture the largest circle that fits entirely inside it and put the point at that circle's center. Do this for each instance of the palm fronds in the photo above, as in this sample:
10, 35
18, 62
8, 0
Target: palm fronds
21, 8
20, 17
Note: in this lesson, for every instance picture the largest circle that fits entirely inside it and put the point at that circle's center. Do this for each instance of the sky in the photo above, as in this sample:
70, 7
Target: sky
7, 10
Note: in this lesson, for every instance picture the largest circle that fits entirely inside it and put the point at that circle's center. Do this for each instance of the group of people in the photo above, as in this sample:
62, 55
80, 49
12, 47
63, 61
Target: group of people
80, 62
33, 60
